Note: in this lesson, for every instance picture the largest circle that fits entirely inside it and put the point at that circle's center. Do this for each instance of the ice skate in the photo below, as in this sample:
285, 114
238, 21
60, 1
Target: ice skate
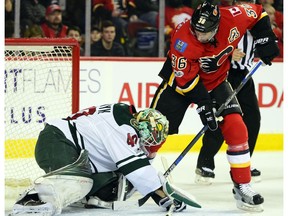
204, 176
247, 199
255, 175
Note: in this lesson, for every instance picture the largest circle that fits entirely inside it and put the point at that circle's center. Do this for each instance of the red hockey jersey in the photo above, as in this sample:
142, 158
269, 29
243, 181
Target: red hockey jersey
186, 51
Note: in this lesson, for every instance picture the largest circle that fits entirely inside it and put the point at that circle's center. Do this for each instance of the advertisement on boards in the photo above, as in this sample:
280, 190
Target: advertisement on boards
135, 82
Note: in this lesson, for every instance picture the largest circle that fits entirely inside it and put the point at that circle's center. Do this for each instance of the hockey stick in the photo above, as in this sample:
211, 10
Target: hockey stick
165, 166
205, 128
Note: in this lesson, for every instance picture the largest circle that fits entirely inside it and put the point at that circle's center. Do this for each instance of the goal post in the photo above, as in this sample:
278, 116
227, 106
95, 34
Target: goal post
41, 82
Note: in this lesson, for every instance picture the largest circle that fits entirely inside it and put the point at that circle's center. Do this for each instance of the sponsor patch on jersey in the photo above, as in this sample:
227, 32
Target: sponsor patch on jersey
180, 45
178, 73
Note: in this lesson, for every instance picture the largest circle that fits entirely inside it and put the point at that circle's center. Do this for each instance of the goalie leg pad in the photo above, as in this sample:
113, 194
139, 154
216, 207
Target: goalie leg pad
29, 203
57, 189
62, 190
66, 185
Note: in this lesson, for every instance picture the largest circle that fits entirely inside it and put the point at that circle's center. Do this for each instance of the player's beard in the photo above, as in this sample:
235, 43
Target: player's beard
56, 21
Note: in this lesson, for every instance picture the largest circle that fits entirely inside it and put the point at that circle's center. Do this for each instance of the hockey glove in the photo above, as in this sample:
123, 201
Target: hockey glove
267, 49
166, 203
207, 115
179, 206
265, 40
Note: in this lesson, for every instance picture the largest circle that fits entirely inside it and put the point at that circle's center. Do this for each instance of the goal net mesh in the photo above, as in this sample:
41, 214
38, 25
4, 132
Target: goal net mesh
38, 86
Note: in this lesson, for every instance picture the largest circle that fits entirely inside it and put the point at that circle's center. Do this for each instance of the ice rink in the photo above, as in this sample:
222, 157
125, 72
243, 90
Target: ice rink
217, 198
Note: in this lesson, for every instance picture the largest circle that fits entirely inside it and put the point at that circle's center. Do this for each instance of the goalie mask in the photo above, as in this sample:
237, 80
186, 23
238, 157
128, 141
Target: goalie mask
153, 130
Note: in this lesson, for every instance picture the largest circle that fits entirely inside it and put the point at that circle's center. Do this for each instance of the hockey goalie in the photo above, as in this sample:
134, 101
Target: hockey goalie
97, 157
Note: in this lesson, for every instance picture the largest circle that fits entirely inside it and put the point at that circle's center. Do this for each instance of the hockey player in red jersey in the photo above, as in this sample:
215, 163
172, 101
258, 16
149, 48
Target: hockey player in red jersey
242, 61
196, 72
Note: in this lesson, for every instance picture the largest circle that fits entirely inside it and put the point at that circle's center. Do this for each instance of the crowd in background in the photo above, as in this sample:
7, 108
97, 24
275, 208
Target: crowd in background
118, 28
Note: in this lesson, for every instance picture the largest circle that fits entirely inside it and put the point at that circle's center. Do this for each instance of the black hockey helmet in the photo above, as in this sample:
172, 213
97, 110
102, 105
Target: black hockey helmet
206, 17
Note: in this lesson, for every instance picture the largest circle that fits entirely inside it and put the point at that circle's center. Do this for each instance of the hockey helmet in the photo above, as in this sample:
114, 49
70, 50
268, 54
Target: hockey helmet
152, 127
205, 18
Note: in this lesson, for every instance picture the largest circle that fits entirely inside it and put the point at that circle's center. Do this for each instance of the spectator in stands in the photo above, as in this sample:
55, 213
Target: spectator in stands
9, 19
75, 32
278, 5
278, 14
175, 13
226, 3
9, 28
116, 11
101, 10
188, 3
74, 14
277, 31
32, 12
33, 31
8, 8
47, 3
53, 26
107, 46
147, 11
95, 34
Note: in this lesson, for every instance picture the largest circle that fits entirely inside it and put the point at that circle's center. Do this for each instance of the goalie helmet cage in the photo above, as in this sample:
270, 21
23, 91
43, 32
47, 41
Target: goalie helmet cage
41, 82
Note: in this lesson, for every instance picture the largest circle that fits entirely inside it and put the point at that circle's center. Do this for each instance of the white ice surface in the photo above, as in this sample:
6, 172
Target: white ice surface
216, 199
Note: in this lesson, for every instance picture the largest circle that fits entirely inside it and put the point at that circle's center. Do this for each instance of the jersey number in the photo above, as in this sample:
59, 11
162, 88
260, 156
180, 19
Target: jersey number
179, 63
132, 140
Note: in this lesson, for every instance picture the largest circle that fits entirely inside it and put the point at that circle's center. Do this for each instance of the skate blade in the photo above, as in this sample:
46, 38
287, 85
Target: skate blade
250, 208
256, 179
203, 180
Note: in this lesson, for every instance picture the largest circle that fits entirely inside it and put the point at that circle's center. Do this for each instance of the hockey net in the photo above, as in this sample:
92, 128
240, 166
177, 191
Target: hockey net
41, 82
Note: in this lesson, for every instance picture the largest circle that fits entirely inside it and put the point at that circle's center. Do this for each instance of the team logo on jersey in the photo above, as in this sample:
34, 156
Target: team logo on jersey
210, 64
234, 35
178, 73
180, 45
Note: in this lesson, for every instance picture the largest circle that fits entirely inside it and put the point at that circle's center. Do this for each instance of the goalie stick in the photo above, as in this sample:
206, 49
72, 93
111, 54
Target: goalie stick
165, 166
205, 128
